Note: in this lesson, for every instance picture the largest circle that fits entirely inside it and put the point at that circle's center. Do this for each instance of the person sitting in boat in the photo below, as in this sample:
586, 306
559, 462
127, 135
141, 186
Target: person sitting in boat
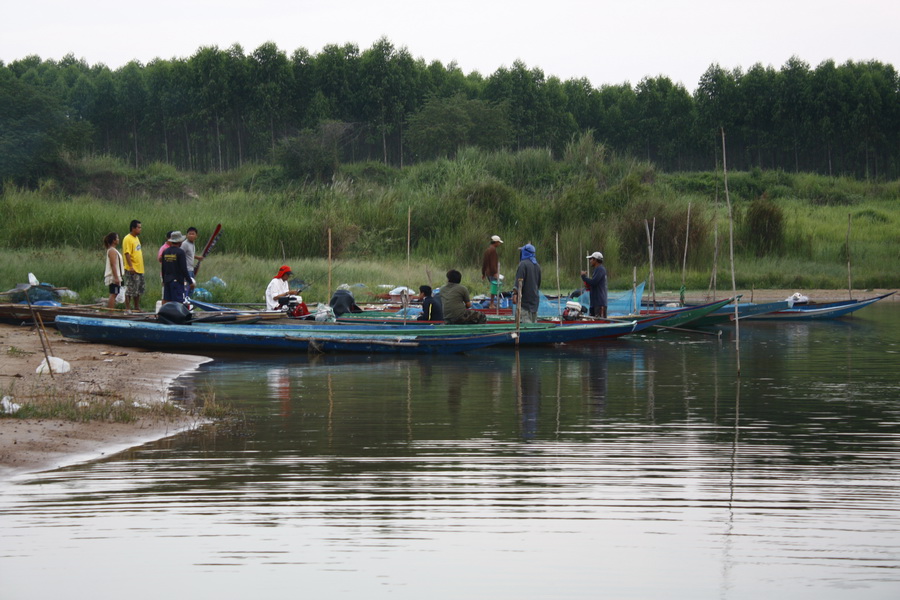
342, 302
279, 292
431, 306
456, 302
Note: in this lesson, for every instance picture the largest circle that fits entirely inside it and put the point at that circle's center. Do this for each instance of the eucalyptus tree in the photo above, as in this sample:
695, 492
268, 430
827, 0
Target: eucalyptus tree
793, 103
716, 99
666, 118
522, 90
32, 129
131, 96
336, 75
271, 80
388, 90
756, 112
618, 117
209, 67
445, 125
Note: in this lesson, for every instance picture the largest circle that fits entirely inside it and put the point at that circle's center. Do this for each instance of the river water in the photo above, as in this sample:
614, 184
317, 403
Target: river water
639, 468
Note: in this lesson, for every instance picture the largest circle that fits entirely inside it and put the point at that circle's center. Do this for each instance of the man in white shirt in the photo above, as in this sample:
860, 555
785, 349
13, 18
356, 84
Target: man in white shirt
279, 288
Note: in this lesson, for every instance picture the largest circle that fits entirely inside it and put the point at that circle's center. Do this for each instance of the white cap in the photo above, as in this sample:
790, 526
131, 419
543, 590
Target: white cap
496, 238
596, 255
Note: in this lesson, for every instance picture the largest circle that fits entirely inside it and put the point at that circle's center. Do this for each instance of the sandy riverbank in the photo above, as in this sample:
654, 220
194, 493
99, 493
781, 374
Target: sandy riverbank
28, 445
33, 445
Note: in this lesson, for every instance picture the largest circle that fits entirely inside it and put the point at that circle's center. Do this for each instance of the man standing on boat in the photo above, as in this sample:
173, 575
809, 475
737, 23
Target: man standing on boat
456, 302
596, 285
528, 284
176, 278
490, 268
134, 266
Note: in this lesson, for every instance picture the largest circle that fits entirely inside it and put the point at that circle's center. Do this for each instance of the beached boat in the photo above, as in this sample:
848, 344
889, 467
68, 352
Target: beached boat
220, 337
820, 310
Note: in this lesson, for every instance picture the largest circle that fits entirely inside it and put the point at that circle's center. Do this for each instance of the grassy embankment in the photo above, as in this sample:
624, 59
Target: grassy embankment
590, 200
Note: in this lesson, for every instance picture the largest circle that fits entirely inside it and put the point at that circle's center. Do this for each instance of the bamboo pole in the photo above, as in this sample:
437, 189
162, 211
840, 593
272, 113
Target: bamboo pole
737, 322
650, 239
849, 277
40, 330
329, 260
558, 286
687, 236
635, 304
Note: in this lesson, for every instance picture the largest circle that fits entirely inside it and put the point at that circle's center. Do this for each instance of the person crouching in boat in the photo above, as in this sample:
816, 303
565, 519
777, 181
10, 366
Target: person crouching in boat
279, 289
456, 302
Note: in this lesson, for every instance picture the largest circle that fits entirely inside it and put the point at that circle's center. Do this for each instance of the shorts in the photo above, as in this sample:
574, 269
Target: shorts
495, 287
114, 289
134, 284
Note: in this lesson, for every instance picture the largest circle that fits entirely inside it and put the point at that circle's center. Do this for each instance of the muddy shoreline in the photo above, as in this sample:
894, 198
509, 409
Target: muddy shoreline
29, 445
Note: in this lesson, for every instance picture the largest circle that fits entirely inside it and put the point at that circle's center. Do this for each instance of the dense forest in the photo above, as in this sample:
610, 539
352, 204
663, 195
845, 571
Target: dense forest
220, 109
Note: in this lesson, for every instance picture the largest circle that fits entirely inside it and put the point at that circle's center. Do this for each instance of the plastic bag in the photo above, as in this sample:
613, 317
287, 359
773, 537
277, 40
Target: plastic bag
120, 297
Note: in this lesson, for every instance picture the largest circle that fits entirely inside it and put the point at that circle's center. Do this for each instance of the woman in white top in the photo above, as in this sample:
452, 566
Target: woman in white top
112, 275
279, 288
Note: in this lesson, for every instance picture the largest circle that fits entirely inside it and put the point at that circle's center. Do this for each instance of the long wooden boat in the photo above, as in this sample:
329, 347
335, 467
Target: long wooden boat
680, 318
820, 310
725, 315
220, 337
527, 334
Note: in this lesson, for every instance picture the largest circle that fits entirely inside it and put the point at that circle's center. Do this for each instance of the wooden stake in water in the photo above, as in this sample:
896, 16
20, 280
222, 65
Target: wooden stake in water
737, 322
329, 261
558, 286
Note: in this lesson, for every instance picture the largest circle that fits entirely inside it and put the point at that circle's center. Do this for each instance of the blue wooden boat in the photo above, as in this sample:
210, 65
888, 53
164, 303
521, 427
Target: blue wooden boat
220, 337
820, 310
528, 334
725, 314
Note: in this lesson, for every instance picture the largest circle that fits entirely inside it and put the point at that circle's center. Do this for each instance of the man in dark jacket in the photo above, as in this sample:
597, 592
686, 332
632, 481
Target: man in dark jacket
528, 280
596, 285
174, 270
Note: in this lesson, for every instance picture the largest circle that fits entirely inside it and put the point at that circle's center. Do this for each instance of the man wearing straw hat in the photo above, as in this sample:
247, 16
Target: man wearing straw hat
490, 268
596, 285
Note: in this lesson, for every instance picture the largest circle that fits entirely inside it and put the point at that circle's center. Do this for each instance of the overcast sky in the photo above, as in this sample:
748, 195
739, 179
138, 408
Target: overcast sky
606, 42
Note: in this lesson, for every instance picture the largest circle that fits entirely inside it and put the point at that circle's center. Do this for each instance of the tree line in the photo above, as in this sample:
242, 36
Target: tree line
219, 109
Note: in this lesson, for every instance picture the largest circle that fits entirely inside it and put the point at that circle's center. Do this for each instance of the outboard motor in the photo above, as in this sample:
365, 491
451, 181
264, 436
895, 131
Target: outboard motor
174, 313
293, 306
573, 311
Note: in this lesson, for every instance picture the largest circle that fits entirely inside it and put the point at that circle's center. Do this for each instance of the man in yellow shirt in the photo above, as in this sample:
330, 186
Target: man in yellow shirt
134, 266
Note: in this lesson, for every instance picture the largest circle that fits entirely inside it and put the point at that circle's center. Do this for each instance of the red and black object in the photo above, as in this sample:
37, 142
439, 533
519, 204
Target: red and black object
209, 246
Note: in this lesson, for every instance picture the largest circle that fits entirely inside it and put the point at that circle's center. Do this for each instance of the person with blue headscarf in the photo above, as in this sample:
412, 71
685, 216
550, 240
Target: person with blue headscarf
528, 280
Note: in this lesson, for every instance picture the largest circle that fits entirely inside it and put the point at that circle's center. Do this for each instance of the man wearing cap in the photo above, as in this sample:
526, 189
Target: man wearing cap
528, 280
490, 268
175, 274
279, 288
596, 285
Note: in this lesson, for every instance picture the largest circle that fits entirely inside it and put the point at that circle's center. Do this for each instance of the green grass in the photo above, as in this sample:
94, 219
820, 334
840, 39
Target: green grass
588, 201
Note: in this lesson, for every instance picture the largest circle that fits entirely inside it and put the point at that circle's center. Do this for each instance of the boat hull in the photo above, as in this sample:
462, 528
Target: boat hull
212, 338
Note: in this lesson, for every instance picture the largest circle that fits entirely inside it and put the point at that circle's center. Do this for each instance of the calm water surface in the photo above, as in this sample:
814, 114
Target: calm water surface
641, 468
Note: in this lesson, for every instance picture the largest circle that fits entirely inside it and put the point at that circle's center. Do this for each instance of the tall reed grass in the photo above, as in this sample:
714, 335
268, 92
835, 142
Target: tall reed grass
590, 200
